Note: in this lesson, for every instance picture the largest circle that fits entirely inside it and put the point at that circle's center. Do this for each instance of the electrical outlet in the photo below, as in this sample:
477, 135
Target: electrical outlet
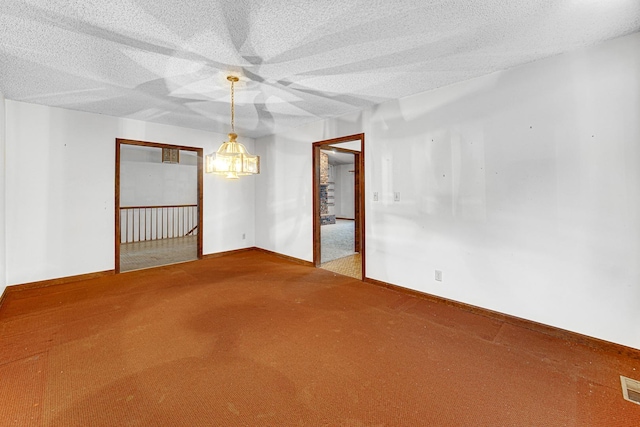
243, 236
396, 196
439, 275
375, 196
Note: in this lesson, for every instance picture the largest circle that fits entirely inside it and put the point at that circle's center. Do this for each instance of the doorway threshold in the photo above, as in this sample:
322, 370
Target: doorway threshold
347, 266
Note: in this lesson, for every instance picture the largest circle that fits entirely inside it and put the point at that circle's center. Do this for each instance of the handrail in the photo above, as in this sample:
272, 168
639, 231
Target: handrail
144, 223
192, 230
156, 207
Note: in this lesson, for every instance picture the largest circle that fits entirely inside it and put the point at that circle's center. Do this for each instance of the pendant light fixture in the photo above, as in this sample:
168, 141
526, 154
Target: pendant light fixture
232, 158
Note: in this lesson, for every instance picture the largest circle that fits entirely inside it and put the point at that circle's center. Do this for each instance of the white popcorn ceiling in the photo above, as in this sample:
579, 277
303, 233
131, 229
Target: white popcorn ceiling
299, 61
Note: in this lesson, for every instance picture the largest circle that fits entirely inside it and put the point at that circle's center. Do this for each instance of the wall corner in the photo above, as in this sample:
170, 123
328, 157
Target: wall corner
3, 216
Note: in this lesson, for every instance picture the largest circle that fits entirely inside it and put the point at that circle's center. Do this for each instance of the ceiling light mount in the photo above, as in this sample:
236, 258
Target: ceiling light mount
232, 158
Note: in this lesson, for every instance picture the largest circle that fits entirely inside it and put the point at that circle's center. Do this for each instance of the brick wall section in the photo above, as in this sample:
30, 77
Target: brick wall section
325, 218
324, 168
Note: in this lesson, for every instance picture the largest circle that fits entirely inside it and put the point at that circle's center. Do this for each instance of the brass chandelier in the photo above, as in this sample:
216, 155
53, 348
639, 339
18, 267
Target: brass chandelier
232, 158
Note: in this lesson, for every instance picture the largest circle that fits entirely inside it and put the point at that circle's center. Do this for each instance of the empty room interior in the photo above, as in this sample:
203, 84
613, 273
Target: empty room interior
320, 213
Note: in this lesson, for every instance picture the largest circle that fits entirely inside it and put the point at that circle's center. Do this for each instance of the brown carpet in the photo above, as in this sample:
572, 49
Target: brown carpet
279, 344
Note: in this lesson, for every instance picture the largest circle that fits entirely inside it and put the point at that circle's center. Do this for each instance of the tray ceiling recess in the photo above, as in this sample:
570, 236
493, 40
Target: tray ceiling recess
299, 61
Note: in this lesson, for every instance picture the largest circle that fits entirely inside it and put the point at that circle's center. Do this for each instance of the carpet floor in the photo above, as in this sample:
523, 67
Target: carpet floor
251, 339
153, 253
349, 266
338, 240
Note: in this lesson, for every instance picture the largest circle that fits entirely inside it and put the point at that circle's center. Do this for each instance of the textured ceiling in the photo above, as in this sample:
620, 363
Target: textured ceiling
299, 61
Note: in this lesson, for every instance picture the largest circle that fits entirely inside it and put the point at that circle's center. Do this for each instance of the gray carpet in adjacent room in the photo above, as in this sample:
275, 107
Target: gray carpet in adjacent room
338, 240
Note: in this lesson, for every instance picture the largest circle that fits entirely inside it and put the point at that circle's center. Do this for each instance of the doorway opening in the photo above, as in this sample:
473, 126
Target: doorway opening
158, 204
338, 205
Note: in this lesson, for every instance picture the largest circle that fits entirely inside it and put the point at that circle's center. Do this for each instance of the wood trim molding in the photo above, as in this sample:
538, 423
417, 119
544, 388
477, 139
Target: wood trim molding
362, 191
348, 138
157, 207
553, 331
225, 253
315, 182
57, 281
118, 232
89, 276
156, 144
200, 189
287, 257
200, 154
257, 249
359, 182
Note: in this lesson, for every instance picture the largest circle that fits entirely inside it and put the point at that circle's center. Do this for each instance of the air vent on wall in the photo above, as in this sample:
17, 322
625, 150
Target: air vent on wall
630, 389
170, 155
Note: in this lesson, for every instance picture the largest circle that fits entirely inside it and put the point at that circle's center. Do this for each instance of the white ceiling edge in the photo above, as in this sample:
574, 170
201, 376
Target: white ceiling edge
133, 59
355, 116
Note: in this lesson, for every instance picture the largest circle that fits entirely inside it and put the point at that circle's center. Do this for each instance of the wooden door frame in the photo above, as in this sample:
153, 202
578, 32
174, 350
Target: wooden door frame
199, 153
359, 191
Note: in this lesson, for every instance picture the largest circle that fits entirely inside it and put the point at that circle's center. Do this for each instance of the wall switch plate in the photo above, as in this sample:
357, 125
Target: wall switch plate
439, 275
375, 196
396, 196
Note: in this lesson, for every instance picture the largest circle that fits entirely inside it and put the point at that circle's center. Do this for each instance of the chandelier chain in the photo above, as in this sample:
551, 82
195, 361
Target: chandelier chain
233, 119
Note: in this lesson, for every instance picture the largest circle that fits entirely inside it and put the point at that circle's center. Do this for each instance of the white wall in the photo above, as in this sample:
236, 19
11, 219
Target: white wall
345, 194
146, 181
523, 187
284, 196
60, 189
3, 262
